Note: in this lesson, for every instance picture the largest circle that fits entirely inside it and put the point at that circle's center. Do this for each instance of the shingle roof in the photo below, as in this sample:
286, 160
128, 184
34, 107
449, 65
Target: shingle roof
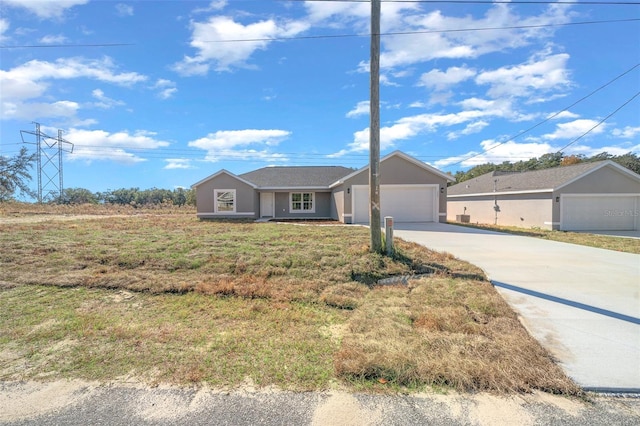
522, 181
296, 177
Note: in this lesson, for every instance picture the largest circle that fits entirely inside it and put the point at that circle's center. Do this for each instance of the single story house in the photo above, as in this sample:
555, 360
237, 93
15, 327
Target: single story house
410, 191
594, 196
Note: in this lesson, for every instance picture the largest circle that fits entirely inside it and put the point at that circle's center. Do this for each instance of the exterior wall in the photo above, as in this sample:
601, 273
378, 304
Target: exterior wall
337, 204
322, 202
247, 201
523, 210
398, 171
603, 181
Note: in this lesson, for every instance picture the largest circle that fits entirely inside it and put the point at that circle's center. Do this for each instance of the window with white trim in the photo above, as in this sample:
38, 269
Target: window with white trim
225, 200
302, 202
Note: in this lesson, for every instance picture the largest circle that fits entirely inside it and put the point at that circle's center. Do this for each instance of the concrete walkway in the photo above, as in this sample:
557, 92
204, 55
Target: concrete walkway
581, 303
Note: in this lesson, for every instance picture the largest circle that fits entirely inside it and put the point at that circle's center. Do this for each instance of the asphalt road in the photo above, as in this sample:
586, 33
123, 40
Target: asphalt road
77, 403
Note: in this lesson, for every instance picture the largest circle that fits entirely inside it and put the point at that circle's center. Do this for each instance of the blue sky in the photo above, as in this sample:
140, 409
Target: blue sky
197, 86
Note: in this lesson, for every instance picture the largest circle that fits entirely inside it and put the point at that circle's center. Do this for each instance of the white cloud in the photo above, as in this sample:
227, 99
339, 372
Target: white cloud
53, 39
166, 88
46, 9
361, 109
440, 80
123, 9
238, 144
404, 50
4, 27
471, 128
122, 147
209, 39
562, 115
510, 151
590, 151
543, 75
628, 132
104, 101
475, 116
22, 85
178, 163
574, 129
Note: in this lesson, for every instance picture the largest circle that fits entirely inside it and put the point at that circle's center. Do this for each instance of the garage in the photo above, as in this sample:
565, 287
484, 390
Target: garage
599, 212
405, 203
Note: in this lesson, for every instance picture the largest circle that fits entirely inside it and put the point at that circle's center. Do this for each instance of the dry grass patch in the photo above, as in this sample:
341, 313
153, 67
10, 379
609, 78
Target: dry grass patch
445, 332
169, 298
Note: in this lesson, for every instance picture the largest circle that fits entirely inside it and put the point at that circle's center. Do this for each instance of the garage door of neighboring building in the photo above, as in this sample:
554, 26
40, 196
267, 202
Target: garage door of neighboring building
406, 203
599, 212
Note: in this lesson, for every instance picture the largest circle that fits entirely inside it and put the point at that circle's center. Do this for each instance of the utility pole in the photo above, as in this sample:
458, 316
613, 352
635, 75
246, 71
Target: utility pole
374, 131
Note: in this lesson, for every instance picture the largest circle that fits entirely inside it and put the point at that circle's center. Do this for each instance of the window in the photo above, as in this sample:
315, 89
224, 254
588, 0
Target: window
225, 200
302, 202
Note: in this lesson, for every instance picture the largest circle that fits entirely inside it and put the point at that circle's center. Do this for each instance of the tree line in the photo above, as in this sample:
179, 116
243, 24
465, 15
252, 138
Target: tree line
135, 197
630, 160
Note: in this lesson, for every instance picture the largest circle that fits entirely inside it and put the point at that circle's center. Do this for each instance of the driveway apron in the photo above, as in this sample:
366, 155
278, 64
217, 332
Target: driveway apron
581, 303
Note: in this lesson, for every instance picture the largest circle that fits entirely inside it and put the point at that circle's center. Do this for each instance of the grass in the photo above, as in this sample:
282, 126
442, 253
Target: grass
628, 245
168, 298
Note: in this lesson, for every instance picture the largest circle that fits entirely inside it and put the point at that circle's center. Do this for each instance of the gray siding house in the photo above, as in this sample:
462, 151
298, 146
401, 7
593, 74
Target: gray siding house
584, 197
410, 191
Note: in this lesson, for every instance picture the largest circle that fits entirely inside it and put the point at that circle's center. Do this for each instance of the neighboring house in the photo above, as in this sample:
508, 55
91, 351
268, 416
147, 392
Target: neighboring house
584, 197
410, 191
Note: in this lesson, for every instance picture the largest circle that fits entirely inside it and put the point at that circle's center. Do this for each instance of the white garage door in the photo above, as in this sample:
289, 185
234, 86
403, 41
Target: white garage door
406, 203
599, 212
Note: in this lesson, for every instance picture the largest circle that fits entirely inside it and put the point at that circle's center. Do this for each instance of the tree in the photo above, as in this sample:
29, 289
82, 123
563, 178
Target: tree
79, 196
14, 175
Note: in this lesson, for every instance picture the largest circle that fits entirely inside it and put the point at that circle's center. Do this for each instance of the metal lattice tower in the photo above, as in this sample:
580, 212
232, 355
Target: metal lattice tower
49, 158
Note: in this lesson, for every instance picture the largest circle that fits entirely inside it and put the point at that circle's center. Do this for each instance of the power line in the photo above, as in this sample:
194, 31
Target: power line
551, 116
330, 36
600, 122
457, 30
45, 46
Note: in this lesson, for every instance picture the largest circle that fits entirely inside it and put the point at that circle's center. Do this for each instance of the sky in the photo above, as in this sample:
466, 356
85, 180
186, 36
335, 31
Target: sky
165, 93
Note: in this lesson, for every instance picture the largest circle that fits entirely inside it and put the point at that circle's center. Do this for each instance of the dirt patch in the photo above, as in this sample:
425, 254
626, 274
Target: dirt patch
31, 399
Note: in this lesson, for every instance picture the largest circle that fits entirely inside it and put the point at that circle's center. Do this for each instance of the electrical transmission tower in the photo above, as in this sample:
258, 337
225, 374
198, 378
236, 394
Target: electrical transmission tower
49, 157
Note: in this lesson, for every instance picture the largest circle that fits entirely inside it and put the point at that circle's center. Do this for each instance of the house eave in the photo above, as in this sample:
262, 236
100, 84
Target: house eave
485, 194
403, 156
294, 188
218, 173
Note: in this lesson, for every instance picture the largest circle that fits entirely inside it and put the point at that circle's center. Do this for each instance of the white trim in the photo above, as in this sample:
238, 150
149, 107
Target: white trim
217, 191
223, 171
347, 215
296, 188
273, 204
485, 194
599, 194
302, 211
403, 156
213, 214
441, 214
434, 186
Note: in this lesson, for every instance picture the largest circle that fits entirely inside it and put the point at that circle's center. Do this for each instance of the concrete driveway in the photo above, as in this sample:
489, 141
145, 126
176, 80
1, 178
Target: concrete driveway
581, 303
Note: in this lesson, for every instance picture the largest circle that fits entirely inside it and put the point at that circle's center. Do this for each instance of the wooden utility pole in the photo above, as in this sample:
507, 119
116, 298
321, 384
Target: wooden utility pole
374, 131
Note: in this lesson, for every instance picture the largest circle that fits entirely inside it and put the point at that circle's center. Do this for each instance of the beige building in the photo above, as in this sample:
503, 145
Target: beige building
588, 196
410, 191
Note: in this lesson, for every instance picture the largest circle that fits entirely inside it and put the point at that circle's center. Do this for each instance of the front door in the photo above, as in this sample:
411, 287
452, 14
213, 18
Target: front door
267, 204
